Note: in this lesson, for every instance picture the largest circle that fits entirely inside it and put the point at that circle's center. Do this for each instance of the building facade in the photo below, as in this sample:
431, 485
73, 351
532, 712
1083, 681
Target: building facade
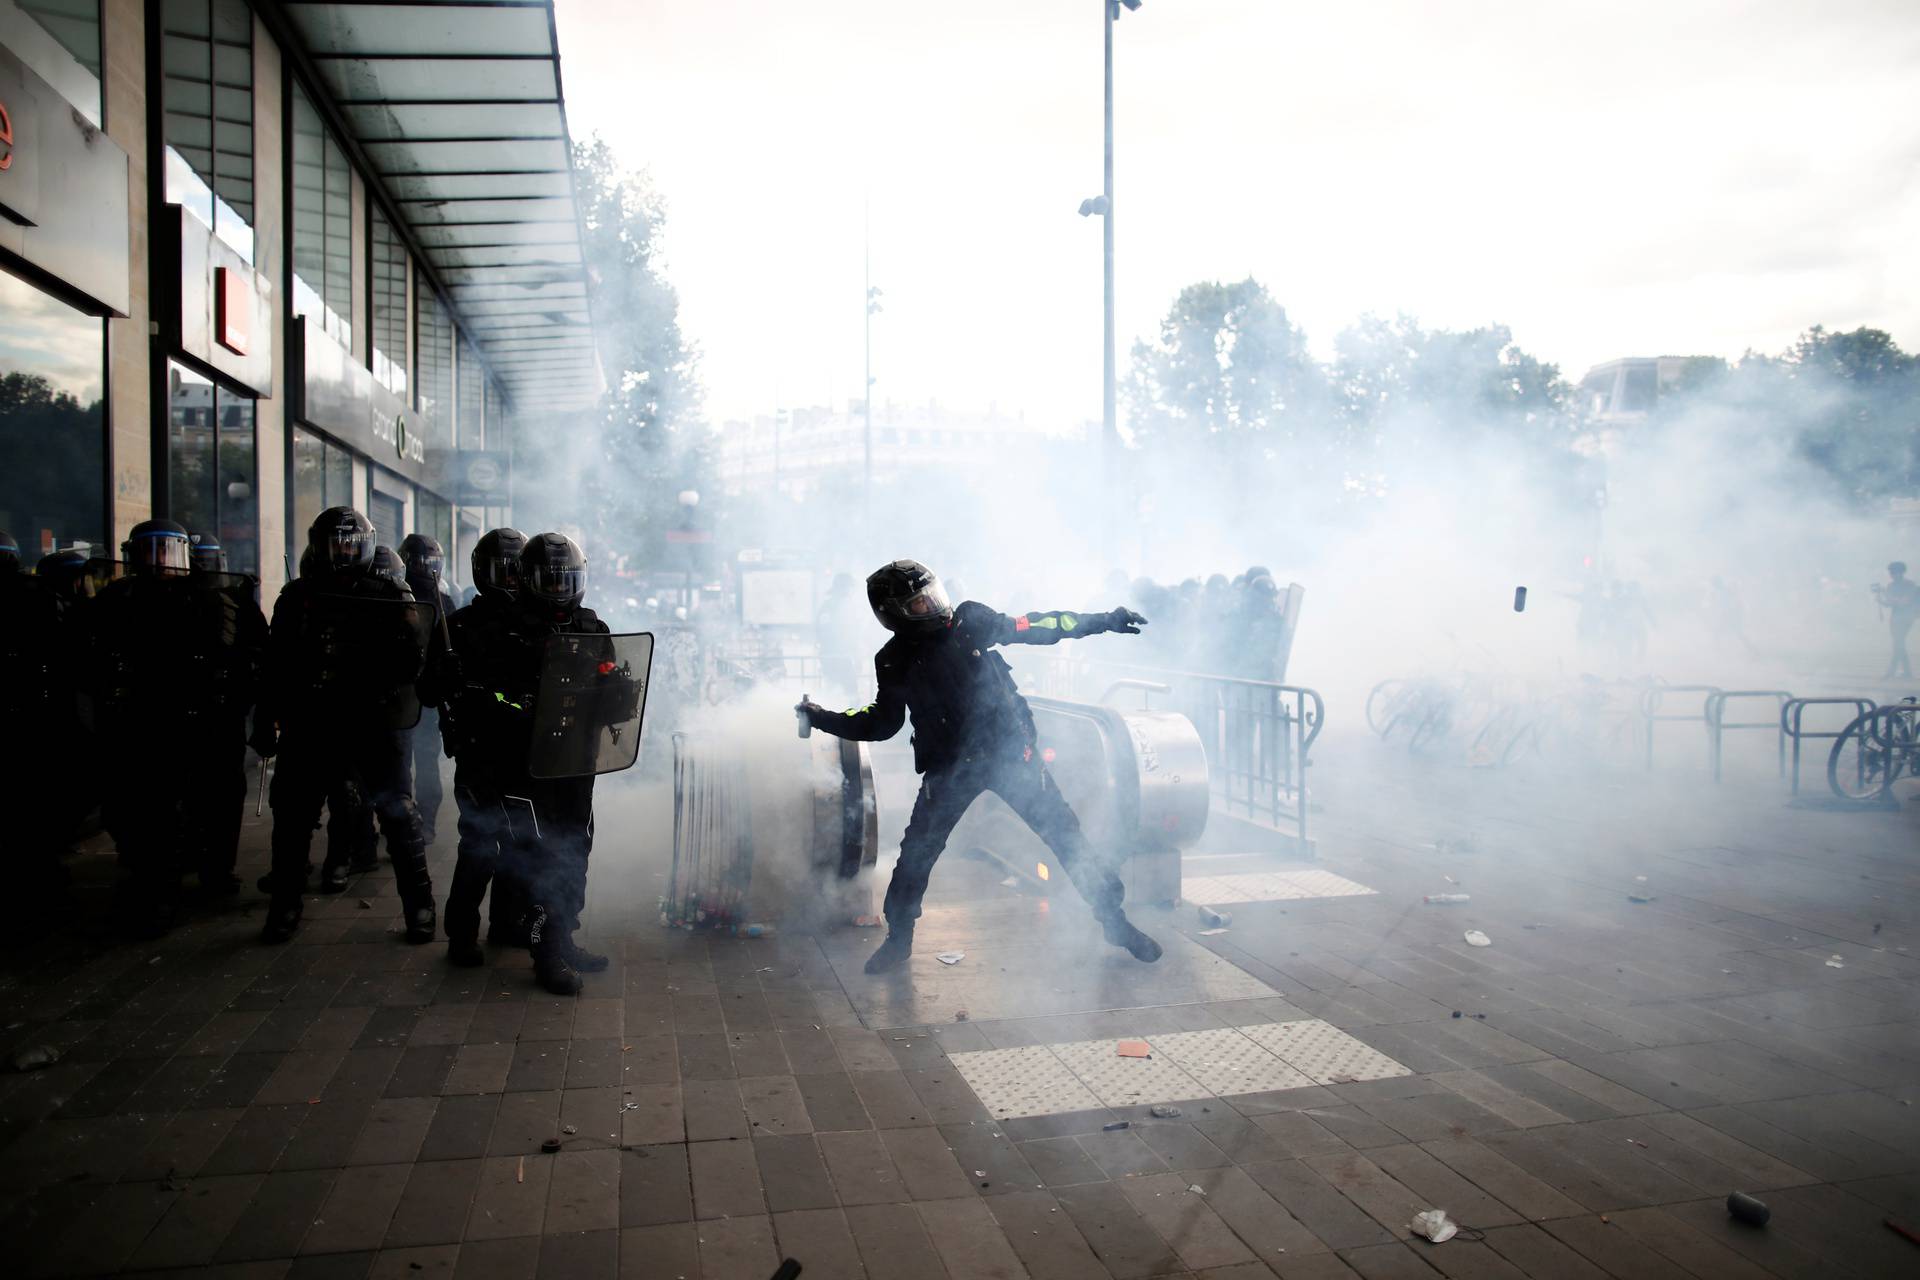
261, 258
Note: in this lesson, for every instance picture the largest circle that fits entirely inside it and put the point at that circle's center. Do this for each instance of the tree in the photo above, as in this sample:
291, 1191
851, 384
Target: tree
620, 480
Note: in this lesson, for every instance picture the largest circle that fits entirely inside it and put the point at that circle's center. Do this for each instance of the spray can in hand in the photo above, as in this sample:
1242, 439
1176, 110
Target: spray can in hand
800, 714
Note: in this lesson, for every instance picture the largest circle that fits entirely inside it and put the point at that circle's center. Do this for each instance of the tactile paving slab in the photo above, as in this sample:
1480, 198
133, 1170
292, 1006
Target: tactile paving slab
1028, 1081
1127, 1082
1270, 886
1226, 1062
1323, 1052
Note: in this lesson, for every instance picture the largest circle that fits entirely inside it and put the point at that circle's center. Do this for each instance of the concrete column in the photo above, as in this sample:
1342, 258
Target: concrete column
270, 259
362, 308
131, 423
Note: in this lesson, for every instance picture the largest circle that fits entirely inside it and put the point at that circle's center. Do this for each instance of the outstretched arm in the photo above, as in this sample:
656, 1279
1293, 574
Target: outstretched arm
1051, 627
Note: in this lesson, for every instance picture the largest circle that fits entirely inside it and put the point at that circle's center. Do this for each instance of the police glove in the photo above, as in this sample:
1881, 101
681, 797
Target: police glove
1125, 621
265, 740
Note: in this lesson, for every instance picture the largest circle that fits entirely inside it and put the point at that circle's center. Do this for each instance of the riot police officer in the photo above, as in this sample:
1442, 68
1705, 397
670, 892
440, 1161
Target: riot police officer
972, 732
477, 870
424, 562
345, 648
546, 824
217, 742
40, 789
153, 649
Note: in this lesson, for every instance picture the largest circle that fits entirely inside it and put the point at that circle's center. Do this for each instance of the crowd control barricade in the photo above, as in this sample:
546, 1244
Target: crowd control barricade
1652, 716
1792, 723
1257, 735
1718, 724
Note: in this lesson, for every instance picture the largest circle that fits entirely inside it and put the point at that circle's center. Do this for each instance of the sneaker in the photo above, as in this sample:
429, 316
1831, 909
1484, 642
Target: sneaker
465, 953
892, 953
333, 878
582, 959
283, 921
1121, 933
422, 924
553, 972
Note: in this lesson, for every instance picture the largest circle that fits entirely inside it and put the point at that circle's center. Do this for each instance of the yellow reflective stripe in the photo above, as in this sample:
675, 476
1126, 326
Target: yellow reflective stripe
1047, 620
857, 711
1068, 622
501, 697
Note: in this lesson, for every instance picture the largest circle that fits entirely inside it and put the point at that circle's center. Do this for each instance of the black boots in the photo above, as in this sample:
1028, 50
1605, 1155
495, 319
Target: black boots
552, 965
283, 920
892, 953
422, 922
1120, 932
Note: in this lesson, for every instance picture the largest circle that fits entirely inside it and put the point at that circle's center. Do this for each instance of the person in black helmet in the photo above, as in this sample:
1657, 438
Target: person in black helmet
477, 870
41, 789
217, 743
972, 732
206, 554
424, 562
342, 660
545, 825
149, 649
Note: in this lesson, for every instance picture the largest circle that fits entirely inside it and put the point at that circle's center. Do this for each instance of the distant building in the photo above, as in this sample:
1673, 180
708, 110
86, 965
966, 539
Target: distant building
799, 450
1626, 391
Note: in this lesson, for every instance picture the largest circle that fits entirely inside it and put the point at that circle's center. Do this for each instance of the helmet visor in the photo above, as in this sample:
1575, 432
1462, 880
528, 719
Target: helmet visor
930, 602
558, 584
166, 552
497, 573
349, 545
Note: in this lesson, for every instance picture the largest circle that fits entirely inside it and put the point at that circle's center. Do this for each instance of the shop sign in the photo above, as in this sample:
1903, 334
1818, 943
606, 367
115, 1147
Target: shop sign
232, 309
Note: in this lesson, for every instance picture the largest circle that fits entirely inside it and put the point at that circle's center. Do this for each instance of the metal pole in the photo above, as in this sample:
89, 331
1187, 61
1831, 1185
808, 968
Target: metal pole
1109, 427
866, 310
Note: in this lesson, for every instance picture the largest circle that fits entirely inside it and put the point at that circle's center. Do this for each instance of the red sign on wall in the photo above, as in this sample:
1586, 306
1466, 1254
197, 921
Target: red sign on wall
232, 310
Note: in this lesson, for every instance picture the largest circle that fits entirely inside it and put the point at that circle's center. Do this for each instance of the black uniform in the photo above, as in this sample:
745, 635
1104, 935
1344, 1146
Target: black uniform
226, 665
425, 744
40, 789
342, 659
477, 867
543, 827
972, 732
164, 662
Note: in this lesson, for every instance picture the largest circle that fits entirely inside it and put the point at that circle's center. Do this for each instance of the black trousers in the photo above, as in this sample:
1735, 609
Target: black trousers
548, 838
315, 763
1029, 790
213, 806
1900, 664
143, 814
425, 750
480, 867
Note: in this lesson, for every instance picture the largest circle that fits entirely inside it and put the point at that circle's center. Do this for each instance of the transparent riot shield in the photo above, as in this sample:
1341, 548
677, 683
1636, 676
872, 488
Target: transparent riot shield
586, 715
360, 656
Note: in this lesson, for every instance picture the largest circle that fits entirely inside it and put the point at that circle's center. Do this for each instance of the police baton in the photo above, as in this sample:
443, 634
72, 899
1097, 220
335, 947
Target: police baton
260, 801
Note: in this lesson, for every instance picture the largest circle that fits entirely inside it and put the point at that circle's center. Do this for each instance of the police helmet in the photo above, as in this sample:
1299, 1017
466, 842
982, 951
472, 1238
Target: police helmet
908, 599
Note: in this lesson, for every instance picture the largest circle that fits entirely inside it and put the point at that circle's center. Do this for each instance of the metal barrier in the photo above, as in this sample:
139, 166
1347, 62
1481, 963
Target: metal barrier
1650, 715
1718, 724
1258, 735
1793, 711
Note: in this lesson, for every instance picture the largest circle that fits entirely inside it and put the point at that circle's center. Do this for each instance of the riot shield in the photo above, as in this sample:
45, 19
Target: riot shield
360, 656
586, 714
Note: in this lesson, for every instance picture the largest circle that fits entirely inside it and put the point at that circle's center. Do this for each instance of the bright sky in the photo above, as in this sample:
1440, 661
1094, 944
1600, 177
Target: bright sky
1620, 178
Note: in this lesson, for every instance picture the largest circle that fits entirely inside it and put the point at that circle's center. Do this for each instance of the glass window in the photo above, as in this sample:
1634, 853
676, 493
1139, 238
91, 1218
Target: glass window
207, 53
322, 478
473, 398
493, 416
389, 302
322, 224
212, 480
60, 40
433, 349
53, 438
434, 517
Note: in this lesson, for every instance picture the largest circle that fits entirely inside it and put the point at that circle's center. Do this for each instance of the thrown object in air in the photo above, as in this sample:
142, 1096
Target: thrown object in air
1742, 1207
1434, 1225
1519, 599
1475, 938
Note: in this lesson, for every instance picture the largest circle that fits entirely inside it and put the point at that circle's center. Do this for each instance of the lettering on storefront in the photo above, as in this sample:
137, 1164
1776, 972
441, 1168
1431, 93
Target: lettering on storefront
406, 445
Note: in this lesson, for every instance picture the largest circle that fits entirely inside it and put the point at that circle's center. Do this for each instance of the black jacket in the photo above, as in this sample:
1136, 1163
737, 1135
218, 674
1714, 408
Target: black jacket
962, 696
498, 649
172, 652
341, 653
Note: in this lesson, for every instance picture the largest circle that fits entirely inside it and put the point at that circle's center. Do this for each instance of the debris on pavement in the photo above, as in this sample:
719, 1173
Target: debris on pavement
550, 1146
33, 1057
1445, 899
1196, 1188
1209, 933
1742, 1207
951, 957
1475, 938
1116, 1126
1835, 962
1215, 919
959, 1015
1134, 1049
520, 1170
1434, 1225
866, 922
569, 1129
1163, 1111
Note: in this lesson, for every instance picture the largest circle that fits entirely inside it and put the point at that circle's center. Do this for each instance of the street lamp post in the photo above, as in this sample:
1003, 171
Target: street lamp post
1102, 204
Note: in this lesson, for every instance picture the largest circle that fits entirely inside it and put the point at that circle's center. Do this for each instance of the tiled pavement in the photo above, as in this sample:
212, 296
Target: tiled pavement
348, 1106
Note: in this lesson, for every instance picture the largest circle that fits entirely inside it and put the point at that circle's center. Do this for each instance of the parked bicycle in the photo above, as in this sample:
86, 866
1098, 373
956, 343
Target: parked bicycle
1875, 751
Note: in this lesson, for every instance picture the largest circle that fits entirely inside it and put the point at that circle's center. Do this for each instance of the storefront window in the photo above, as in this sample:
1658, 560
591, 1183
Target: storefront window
322, 478
493, 414
322, 224
60, 40
52, 423
473, 396
433, 347
434, 517
207, 51
212, 477
389, 305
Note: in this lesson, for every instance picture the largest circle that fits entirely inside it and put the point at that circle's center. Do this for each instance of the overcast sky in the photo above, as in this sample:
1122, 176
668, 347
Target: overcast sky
1608, 179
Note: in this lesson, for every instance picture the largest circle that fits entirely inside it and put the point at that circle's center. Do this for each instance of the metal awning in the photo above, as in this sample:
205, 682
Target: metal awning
457, 108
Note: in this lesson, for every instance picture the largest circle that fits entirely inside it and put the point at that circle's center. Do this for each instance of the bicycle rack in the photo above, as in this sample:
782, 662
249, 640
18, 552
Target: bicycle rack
1651, 716
1717, 722
1793, 710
